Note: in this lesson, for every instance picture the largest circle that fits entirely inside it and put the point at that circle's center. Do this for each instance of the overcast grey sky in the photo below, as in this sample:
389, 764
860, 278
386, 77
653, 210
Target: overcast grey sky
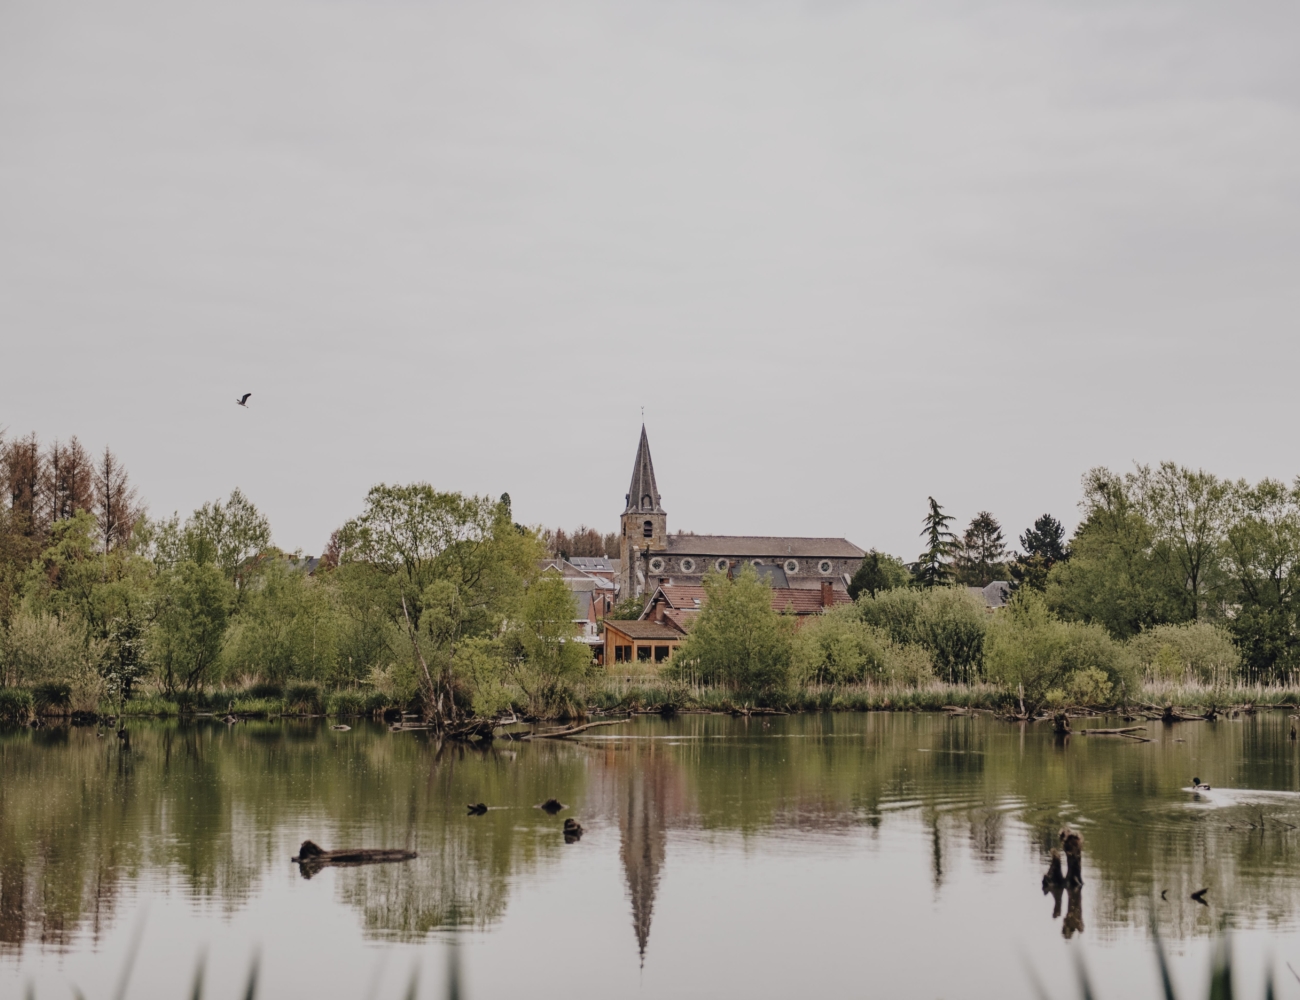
845, 254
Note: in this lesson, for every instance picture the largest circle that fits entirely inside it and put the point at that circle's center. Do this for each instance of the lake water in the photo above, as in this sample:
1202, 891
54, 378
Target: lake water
846, 855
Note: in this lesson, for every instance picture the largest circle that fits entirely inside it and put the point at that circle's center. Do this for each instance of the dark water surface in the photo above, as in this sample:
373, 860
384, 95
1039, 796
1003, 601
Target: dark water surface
860, 855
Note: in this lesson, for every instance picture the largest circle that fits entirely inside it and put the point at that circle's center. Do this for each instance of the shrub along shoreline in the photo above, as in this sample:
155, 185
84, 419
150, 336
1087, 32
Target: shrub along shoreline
613, 696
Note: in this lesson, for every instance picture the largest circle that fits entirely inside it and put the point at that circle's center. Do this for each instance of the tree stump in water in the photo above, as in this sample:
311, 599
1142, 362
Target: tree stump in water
1072, 843
1054, 877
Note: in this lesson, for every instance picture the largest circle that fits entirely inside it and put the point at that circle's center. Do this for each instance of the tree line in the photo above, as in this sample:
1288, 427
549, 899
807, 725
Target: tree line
1173, 574
425, 596
1157, 546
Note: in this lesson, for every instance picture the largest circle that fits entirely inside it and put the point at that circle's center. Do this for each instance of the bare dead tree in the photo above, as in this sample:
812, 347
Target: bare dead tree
67, 480
21, 467
116, 505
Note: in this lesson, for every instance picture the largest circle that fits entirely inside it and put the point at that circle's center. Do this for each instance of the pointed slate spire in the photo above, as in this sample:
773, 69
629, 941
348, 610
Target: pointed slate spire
643, 494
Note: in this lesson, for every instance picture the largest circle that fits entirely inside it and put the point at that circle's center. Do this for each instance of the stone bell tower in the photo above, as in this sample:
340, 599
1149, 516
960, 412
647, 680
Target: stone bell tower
644, 524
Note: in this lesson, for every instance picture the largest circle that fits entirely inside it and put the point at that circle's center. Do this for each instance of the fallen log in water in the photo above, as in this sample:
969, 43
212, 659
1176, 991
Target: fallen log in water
312, 857
1111, 732
560, 734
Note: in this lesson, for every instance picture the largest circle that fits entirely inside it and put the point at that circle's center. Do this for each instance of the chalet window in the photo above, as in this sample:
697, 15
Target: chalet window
648, 529
643, 653
661, 653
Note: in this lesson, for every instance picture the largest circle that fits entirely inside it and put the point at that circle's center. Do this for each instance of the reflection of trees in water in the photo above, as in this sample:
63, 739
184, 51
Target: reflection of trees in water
82, 816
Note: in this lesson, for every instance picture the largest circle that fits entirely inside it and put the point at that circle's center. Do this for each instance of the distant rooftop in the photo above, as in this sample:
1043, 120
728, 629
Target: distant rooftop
772, 546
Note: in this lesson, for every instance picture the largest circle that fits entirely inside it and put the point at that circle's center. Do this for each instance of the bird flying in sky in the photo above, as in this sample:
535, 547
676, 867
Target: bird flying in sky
243, 400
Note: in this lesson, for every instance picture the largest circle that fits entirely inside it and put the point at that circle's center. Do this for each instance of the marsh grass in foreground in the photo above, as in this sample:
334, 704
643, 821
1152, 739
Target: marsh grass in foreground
1220, 987
250, 990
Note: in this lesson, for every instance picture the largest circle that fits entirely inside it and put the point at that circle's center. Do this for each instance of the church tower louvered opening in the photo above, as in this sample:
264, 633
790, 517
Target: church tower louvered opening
644, 522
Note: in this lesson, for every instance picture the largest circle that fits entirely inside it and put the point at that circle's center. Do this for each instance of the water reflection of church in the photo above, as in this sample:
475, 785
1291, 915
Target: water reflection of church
645, 791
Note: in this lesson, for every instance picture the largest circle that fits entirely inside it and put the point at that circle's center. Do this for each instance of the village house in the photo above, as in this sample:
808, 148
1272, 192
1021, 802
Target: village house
593, 597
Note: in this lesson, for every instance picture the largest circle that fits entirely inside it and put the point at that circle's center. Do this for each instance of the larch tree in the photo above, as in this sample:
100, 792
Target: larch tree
21, 464
115, 503
67, 480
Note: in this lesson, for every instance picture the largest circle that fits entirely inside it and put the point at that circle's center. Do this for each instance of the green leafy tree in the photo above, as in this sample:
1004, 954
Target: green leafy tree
1189, 511
552, 660
194, 602
1031, 652
125, 662
980, 558
838, 647
738, 641
445, 568
1194, 651
947, 622
287, 629
228, 535
1114, 576
1263, 561
879, 572
932, 567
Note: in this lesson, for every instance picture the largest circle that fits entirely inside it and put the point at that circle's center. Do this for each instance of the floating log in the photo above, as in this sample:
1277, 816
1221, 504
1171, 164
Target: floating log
341, 729
477, 809
311, 856
563, 733
552, 806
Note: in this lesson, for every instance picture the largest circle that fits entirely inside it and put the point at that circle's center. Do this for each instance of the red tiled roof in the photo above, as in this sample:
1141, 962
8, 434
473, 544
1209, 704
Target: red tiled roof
681, 618
805, 602
642, 629
684, 601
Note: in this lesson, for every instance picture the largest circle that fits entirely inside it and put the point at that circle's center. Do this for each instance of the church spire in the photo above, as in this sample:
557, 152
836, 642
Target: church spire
643, 494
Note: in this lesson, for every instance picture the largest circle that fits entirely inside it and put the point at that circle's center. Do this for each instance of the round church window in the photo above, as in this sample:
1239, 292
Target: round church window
792, 565
824, 567
721, 565
688, 565
656, 565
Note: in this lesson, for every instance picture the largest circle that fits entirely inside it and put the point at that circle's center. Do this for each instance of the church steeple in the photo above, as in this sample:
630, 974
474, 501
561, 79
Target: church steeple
644, 525
643, 494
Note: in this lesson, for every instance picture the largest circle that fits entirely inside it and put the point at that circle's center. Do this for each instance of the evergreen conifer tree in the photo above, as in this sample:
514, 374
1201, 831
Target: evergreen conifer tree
932, 568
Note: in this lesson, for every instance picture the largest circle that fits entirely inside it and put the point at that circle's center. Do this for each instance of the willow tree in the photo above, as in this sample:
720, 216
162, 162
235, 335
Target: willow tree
451, 569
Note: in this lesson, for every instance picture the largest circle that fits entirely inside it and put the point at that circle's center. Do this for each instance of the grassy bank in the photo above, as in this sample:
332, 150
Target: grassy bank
647, 693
